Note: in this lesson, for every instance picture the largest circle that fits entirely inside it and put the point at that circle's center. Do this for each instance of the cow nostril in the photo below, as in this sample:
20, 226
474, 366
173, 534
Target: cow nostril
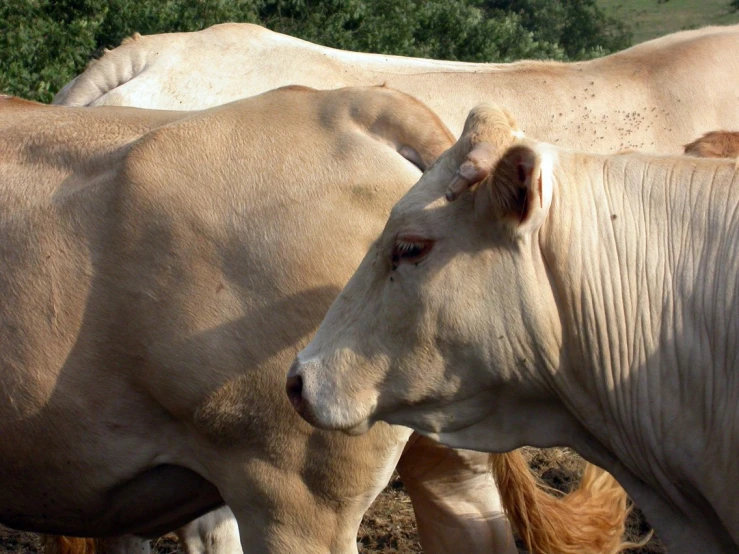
294, 390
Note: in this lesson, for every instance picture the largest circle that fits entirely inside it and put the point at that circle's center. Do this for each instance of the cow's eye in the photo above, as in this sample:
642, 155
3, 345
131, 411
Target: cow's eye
410, 249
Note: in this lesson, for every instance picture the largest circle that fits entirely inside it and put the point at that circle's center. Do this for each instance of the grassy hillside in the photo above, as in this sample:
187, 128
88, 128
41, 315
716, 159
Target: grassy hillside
650, 18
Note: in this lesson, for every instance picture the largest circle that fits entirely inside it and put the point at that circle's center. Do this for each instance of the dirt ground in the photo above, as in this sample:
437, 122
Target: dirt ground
389, 526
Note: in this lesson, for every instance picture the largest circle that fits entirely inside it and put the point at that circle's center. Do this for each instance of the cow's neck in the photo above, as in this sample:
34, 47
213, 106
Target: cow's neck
637, 249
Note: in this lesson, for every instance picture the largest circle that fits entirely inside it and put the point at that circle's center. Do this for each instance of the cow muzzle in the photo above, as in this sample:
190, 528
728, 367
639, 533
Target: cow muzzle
319, 402
299, 395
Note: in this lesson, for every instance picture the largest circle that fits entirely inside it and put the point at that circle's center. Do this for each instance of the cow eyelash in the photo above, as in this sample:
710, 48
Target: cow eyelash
409, 251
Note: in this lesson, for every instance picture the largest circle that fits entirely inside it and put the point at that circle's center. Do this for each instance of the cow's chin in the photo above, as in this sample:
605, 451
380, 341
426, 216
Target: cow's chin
358, 429
434, 418
346, 416
353, 429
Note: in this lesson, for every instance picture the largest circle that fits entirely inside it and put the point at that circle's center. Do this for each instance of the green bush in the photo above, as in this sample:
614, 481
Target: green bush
45, 43
444, 29
579, 27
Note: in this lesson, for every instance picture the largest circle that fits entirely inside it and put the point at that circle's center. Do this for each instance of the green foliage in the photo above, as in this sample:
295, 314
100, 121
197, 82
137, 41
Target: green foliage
45, 43
41, 47
734, 5
444, 29
580, 27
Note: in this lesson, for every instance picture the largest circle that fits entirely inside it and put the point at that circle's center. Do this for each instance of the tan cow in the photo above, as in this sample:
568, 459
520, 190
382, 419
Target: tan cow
441, 499
159, 271
448, 488
656, 96
716, 144
564, 299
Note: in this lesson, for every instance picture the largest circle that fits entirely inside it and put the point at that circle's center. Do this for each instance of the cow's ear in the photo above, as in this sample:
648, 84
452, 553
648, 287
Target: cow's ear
520, 188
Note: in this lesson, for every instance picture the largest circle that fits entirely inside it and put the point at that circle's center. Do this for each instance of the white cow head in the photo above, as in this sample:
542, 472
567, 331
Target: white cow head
444, 309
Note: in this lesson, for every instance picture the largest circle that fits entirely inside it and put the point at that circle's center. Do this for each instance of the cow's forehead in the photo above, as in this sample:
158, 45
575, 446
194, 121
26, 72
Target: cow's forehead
430, 190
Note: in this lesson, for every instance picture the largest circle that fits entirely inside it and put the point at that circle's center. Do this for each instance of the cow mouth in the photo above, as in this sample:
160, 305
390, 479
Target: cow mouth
306, 412
358, 429
353, 430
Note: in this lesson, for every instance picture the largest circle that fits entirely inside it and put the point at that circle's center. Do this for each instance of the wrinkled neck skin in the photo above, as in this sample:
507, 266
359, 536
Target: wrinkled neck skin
636, 253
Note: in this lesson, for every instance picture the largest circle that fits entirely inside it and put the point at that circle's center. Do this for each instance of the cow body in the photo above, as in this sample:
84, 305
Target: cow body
159, 269
566, 299
655, 96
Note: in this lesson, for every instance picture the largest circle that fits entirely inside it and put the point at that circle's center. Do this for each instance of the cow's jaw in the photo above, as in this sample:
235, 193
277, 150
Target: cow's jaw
436, 418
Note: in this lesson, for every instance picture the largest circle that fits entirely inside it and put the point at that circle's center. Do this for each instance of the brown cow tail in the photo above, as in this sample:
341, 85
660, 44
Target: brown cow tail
58, 544
589, 520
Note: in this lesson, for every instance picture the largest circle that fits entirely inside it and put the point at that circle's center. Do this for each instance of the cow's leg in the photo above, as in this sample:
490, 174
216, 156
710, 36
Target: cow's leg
318, 507
306, 522
455, 499
214, 533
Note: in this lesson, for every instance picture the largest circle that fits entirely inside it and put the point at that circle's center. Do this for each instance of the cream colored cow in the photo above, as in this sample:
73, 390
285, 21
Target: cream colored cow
525, 294
159, 270
656, 96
